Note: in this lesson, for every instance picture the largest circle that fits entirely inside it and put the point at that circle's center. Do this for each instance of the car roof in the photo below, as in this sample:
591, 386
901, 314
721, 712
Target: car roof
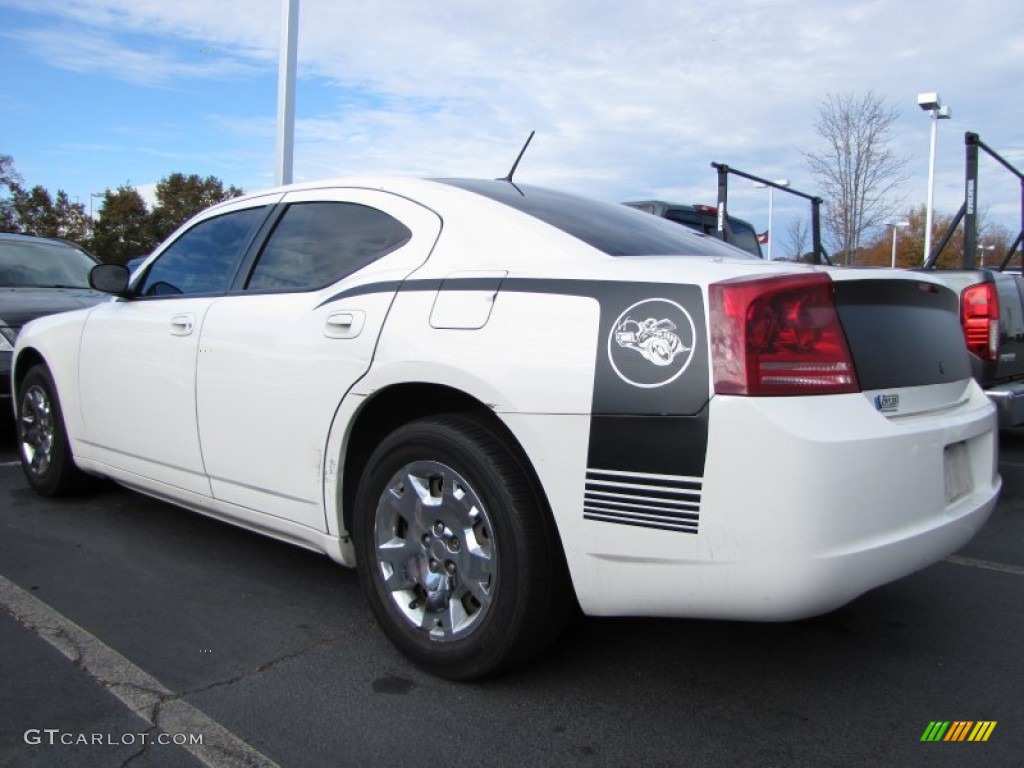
23, 237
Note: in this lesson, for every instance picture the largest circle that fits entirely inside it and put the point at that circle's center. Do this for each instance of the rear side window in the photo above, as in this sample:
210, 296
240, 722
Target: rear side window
616, 230
316, 244
203, 259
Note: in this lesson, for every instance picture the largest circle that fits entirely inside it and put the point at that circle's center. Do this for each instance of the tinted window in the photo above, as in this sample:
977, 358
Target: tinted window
689, 218
42, 264
204, 258
316, 244
617, 230
743, 236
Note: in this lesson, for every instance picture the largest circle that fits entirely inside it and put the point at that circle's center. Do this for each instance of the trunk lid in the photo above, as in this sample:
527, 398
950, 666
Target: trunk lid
904, 334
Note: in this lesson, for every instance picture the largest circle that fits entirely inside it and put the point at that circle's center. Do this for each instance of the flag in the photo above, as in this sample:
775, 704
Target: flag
762, 238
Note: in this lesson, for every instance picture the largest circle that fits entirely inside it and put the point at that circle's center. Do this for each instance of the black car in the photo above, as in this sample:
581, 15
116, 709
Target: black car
38, 276
703, 218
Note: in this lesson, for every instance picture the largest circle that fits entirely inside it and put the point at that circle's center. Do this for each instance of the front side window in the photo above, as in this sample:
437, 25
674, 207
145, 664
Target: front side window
203, 260
316, 244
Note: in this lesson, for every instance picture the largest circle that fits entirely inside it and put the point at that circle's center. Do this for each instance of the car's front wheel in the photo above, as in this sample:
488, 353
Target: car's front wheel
456, 552
42, 439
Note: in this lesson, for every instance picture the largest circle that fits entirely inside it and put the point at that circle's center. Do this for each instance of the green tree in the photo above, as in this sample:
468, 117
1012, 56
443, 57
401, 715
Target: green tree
34, 211
180, 197
72, 219
10, 181
123, 229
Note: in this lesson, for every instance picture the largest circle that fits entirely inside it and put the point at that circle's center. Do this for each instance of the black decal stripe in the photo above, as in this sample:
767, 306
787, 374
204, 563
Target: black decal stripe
553, 286
643, 502
681, 528
633, 510
631, 499
648, 437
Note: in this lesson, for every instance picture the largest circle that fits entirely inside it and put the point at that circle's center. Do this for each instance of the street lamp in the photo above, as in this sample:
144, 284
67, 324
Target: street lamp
771, 190
91, 196
982, 249
931, 103
895, 227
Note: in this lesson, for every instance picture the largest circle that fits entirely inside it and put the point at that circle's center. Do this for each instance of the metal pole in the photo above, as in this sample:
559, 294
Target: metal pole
771, 234
816, 228
970, 200
286, 90
931, 186
894, 228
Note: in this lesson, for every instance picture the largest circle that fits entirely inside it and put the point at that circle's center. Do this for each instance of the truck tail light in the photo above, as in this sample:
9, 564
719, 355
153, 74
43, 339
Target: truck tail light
779, 336
979, 316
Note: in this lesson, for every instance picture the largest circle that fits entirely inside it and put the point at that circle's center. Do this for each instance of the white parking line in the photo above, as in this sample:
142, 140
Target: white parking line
9, 463
141, 693
988, 565
1017, 464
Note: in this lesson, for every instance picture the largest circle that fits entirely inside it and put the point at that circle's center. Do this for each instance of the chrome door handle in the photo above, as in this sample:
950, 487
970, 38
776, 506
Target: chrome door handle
346, 324
181, 325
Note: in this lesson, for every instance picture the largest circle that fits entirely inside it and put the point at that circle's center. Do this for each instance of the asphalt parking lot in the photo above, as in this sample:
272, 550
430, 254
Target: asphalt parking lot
126, 623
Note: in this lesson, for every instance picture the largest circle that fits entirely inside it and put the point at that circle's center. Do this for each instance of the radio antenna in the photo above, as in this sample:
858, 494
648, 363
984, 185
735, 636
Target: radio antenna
516, 163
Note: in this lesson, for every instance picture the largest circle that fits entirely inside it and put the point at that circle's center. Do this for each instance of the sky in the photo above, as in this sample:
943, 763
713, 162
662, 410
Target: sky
630, 100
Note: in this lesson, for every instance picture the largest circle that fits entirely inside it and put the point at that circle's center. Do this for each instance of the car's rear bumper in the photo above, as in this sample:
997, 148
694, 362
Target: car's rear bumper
1009, 401
806, 503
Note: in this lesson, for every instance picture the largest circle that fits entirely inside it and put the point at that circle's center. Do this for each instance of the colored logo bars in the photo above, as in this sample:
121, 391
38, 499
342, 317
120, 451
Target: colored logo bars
958, 730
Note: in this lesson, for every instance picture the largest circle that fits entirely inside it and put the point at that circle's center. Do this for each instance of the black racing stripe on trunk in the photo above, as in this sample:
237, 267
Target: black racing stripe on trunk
902, 333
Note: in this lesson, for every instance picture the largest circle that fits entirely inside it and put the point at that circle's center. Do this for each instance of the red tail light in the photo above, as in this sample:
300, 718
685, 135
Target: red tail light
779, 336
979, 316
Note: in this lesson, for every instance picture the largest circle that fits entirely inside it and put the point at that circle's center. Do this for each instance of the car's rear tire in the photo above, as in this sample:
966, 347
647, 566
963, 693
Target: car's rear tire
456, 551
42, 439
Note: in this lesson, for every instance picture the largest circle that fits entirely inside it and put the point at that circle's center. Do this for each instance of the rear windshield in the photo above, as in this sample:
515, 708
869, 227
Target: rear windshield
744, 236
616, 230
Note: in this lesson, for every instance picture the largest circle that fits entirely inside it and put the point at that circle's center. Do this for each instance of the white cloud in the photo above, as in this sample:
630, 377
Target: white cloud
629, 99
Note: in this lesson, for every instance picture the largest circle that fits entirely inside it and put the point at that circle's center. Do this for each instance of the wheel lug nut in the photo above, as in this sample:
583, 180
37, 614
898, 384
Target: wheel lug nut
453, 545
449, 566
434, 566
426, 539
438, 528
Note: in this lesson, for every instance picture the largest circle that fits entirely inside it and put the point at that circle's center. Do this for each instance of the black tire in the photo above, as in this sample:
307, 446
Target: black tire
480, 584
42, 439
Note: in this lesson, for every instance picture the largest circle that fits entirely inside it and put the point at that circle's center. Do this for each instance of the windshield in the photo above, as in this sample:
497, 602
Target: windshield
43, 264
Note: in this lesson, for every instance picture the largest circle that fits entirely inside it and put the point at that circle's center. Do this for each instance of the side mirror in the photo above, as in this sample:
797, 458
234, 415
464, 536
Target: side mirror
110, 278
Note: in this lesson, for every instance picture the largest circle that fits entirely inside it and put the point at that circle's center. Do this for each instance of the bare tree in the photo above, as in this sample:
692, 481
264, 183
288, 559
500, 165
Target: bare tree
798, 236
856, 171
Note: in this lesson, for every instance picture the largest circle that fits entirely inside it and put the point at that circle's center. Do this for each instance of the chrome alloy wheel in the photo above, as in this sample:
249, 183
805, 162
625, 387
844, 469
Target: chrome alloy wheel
36, 430
435, 551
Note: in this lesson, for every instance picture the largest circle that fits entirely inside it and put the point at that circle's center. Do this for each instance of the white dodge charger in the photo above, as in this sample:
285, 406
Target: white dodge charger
499, 402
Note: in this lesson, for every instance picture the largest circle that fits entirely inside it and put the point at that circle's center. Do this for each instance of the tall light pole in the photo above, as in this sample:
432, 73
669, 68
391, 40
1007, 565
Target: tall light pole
771, 190
895, 226
286, 90
931, 103
982, 249
93, 196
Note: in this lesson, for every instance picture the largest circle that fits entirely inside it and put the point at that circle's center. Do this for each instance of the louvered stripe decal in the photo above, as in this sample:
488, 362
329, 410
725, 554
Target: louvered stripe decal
665, 502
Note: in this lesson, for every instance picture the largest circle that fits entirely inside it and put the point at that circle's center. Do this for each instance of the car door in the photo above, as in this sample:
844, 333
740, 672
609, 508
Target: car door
137, 364
277, 355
